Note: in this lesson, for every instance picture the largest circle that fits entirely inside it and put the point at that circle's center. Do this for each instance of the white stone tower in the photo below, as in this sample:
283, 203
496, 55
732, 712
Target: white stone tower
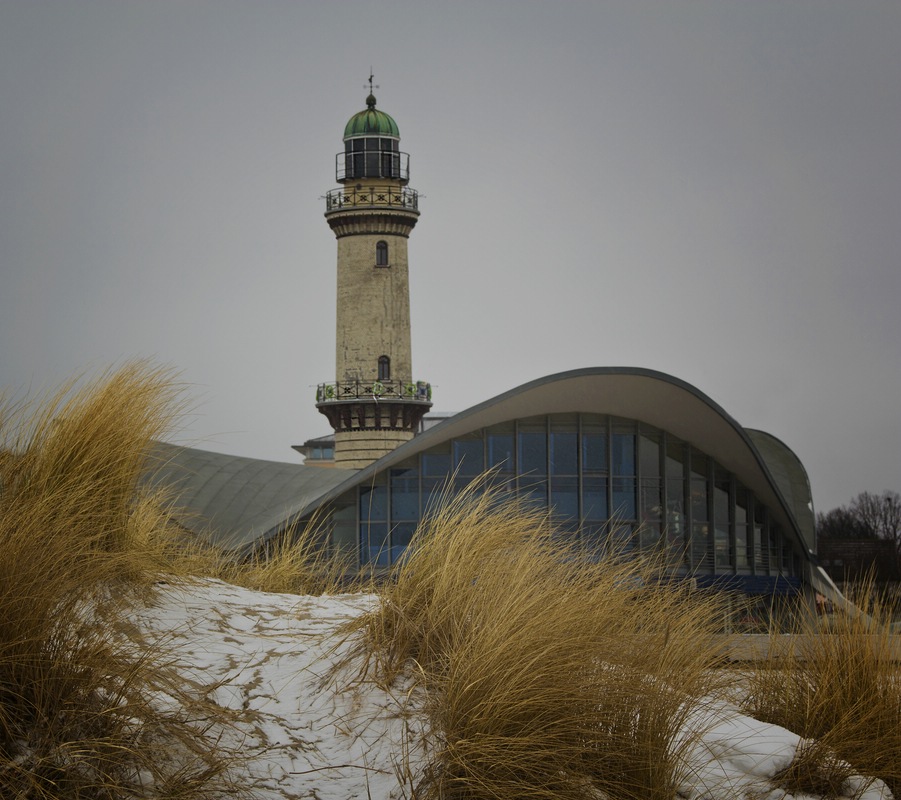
374, 404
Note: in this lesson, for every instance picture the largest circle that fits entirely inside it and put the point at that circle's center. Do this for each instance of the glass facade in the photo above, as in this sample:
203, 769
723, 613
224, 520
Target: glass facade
606, 481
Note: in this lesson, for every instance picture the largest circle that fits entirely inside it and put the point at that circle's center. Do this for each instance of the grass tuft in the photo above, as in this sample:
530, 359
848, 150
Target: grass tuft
76, 717
546, 674
840, 688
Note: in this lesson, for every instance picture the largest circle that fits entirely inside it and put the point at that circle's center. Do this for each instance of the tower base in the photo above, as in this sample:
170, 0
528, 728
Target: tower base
358, 449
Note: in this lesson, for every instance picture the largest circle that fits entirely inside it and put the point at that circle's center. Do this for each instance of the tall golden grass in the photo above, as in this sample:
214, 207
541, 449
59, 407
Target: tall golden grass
838, 686
546, 674
75, 716
296, 562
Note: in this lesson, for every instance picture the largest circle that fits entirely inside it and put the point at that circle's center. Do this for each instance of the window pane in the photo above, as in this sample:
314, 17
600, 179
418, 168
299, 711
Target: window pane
401, 535
436, 464
594, 450
649, 456
375, 549
761, 560
533, 492
773, 549
532, 452
404, 494
624, 498
469, 456
721, 505
374, 502
651, 499
623, 453
500, 450
564, 453
723, 547
565, 497
741, 547
700, 545
594, 498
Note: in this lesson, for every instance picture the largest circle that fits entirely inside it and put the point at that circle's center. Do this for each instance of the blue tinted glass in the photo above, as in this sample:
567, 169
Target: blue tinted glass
623, 454
565, 497
500, 451
401, 535
624, 498
564, 453
376, 549
532, 452
594, 452
469, 457
374, 502
594, 498
533, 492
436, 464
404, 494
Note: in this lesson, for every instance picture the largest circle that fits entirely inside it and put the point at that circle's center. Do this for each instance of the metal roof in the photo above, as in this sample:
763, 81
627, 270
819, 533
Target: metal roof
237, 500
371, 122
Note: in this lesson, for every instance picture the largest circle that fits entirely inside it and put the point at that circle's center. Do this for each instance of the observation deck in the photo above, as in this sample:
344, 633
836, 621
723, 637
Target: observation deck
375, 391
374, 405
376, 197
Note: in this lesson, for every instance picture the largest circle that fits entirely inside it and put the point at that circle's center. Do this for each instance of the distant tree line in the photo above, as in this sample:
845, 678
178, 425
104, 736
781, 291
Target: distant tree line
867, 516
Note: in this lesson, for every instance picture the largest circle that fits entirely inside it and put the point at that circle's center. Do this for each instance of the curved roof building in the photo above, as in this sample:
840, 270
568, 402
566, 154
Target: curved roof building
618, 456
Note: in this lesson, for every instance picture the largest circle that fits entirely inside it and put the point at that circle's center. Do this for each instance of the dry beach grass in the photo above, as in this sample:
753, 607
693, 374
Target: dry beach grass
541, 672
546, 674
838, 686
76, 717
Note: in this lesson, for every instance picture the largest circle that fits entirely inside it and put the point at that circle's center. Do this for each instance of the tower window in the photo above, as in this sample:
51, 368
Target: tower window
384, 368
381, 254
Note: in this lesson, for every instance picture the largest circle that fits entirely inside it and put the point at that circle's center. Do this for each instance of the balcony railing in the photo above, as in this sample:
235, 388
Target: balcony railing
372, 164
372, 197
419, 391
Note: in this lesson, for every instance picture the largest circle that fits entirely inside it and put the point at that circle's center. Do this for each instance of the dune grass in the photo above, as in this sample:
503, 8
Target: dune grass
839, 687
296, 562
76, 720
545, 674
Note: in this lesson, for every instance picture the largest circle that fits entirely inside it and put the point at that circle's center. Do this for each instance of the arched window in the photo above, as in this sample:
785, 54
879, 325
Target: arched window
381, 254
384, 368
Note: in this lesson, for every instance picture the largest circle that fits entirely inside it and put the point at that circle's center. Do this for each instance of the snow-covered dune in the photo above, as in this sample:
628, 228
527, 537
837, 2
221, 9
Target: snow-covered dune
305, 733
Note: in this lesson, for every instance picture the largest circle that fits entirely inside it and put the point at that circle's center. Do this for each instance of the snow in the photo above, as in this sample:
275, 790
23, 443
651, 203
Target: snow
307, 732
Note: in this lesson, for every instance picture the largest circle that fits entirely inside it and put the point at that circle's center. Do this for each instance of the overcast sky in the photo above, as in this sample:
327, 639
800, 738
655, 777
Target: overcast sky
710, 189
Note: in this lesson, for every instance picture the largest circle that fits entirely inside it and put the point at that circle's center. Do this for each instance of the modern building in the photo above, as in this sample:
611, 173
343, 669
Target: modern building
618, 456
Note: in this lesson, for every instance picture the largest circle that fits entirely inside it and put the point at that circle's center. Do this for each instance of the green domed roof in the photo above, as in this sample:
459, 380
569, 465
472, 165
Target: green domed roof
371, 122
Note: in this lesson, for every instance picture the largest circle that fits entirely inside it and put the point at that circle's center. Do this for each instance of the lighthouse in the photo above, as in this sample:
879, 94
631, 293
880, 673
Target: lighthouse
374, 404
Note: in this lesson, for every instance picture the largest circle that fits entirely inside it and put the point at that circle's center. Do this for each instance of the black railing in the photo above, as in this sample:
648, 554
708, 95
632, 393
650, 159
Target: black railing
372, 196
372, 164
419, 391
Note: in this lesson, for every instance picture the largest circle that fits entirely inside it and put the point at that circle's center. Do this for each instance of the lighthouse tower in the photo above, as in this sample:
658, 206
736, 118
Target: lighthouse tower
374, 404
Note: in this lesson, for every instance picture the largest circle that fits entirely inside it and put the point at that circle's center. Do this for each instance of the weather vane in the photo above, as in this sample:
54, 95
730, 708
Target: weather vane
371, 85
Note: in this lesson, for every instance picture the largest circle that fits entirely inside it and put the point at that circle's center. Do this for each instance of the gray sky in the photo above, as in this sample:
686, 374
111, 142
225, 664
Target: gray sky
711, 189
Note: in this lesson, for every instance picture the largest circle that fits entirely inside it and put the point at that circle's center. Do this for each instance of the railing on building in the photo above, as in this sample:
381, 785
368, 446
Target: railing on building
372, 196
372, 164
419, 391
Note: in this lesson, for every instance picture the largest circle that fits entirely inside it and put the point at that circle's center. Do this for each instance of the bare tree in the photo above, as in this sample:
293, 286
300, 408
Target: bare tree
843, 523
880, 513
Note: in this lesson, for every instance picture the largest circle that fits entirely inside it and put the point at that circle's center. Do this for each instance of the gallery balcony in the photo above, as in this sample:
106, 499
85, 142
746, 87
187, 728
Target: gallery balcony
376, 197
376, 391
